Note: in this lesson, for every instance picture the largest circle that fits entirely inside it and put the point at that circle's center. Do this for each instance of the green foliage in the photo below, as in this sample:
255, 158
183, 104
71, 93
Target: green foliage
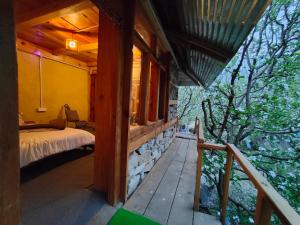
264, 116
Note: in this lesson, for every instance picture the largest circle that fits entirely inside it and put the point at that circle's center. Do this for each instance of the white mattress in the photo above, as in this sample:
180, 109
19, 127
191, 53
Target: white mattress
36, 144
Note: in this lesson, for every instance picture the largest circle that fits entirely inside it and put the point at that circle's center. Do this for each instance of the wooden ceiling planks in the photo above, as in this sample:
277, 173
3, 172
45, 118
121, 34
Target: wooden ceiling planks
79, 21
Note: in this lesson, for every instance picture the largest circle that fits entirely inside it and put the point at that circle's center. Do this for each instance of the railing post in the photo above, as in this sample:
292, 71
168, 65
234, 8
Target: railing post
226, 181
198, 178
263, 210
196, 125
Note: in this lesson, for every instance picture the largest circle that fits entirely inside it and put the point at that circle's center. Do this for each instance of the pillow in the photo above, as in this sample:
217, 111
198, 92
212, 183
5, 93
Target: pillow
59, 124
72, 116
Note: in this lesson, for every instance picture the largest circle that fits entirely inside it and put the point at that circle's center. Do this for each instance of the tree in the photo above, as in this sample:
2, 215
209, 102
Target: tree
188, 103
255, 105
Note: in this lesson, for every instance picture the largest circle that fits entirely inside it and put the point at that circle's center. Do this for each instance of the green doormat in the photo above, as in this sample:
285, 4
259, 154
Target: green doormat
124, 217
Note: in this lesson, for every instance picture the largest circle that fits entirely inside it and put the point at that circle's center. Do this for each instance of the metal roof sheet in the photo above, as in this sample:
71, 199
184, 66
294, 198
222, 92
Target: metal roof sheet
205, 34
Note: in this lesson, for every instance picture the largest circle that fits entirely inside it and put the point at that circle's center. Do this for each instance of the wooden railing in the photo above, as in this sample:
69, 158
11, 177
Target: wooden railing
141, 134
268, 199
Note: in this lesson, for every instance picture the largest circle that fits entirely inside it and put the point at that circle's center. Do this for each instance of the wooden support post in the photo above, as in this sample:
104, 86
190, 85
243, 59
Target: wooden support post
113, 84
154, 84
166, 61
154, 95
153, 44
263, 210
196, 128
198, 179
9, 130
145, 84
226, 181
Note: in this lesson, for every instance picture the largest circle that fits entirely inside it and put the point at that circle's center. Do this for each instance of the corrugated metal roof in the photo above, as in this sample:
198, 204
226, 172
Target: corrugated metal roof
205, 34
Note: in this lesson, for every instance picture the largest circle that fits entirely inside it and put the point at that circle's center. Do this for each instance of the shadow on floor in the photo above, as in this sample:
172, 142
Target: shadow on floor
57, 190
42, 166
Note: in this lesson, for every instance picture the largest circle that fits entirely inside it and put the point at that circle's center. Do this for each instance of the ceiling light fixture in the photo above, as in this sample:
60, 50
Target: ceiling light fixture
72, 44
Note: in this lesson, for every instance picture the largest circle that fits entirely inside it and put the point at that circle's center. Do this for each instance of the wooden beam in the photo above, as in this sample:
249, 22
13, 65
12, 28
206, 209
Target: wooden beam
263, 210
226, 180
141, 44
198, 179
200, 133
53, 9
9, 130
92, 64
81, 50
28, 47
167, 61
153, 98
113, 84
207, 48
87, 47
212, 146
145, 84
145, 133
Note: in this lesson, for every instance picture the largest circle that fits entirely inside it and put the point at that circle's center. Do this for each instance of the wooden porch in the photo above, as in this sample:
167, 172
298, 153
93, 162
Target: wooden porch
167, 193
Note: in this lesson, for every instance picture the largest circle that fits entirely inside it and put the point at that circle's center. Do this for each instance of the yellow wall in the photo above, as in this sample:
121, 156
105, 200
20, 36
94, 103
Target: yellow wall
61, 84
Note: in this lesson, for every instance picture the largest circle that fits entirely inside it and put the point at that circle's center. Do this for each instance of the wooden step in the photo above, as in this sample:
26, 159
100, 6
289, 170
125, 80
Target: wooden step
205, 219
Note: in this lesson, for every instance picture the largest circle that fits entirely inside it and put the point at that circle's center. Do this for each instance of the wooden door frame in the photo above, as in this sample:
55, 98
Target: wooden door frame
9, 129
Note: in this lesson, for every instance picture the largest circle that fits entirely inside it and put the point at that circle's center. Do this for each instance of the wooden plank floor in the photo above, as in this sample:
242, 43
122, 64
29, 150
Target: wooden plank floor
167, 193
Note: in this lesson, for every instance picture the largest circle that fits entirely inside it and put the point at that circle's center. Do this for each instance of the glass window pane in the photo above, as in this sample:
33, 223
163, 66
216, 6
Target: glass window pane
136, 85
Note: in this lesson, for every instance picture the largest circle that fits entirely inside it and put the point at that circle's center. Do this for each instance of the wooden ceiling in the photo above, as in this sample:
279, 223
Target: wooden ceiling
49, 23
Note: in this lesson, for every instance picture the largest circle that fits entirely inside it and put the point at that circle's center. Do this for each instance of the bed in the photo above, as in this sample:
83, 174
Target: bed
36, 144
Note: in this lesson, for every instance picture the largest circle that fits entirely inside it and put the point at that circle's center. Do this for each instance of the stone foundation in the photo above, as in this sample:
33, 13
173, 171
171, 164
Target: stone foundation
143, 159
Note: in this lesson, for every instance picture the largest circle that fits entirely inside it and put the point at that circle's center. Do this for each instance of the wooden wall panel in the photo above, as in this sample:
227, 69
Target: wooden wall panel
162, 94
9, 131
145, 84
113, 85
166, 61
154, 94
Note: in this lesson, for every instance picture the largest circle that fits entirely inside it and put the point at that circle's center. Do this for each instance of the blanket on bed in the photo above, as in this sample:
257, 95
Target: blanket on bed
36, 144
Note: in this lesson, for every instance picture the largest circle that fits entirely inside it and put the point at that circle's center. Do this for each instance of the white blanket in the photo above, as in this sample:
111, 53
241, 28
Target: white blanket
36, 144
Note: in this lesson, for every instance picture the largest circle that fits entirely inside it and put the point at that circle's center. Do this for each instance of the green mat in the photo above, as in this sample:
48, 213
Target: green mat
124, 217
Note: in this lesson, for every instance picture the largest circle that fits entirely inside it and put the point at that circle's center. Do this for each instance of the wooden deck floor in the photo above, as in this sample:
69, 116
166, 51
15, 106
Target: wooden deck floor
167, 193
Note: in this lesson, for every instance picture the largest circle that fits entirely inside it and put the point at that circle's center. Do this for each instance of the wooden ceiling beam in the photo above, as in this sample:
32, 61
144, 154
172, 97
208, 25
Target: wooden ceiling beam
208, 48
81, 48
88, 47
53, 9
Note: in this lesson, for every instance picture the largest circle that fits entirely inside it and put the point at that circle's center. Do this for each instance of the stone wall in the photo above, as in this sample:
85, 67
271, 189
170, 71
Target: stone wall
143, 159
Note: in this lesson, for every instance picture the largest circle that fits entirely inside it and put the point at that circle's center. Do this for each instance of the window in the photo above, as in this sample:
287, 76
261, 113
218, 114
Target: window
136, 85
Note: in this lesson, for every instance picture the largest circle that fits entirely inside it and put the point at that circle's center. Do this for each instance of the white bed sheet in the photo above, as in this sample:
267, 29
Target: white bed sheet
36, 144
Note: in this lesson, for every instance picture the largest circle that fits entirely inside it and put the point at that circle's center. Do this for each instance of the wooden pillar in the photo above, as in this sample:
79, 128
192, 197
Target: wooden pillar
226, 182
154, 92
166, 61
9, 131
154, 84
113, 86
263, 210
198, 178
145, 80
162, 93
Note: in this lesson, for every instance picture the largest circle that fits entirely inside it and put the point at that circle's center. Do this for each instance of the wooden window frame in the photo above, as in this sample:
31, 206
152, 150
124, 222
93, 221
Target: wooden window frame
154, 87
